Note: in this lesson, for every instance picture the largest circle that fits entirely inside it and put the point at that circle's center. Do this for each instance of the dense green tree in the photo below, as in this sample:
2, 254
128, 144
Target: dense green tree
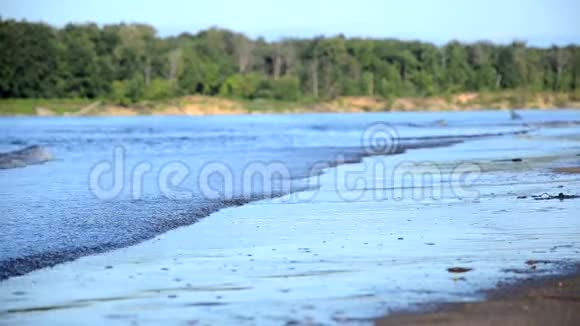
29, 60
83, 73
129, 62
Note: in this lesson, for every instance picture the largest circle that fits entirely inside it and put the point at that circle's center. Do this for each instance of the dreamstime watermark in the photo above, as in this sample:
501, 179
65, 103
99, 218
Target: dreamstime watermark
378, 177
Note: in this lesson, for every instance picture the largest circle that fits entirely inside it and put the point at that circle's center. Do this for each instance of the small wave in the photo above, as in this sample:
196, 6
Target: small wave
20, 158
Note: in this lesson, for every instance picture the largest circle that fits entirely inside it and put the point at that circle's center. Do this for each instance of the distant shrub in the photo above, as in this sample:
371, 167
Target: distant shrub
159, 89
125, 92
238, 85
286, 88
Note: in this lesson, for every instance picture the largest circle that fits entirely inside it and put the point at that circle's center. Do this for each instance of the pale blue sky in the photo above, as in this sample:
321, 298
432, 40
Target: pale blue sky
539, 22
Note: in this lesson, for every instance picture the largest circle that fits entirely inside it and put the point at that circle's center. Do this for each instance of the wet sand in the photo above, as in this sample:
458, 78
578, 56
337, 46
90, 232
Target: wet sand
551, 300
555, 301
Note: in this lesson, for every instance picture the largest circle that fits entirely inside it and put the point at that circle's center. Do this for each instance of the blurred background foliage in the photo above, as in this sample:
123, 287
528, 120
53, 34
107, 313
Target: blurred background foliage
126, 63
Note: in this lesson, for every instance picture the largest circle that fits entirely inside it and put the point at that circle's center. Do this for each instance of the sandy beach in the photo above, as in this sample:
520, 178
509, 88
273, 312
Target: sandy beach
543, 302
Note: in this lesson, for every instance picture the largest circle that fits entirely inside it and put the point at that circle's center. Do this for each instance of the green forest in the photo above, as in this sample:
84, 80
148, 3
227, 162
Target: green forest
126, 63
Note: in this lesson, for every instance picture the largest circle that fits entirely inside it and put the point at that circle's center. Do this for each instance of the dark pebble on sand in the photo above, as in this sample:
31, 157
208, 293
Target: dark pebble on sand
459, 269
400, 238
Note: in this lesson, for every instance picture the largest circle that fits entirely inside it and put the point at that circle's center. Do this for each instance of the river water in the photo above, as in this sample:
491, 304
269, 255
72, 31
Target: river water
52, 213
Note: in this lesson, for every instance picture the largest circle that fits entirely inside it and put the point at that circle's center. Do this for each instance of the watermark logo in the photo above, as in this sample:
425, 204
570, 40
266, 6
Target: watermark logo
380, 138
376, 173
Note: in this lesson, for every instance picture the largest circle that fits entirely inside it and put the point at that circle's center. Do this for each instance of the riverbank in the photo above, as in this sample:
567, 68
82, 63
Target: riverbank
206, 105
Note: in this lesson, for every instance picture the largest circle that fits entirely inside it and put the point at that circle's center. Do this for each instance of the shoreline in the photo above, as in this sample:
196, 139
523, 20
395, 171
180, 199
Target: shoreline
549, 299
198, 105
22, 265
553, 299
327, 260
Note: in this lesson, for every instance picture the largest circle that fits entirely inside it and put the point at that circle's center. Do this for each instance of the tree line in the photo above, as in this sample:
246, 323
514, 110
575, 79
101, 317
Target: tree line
129, 62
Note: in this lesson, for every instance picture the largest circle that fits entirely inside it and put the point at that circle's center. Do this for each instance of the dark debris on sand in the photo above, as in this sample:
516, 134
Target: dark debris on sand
560, 196
459, 269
